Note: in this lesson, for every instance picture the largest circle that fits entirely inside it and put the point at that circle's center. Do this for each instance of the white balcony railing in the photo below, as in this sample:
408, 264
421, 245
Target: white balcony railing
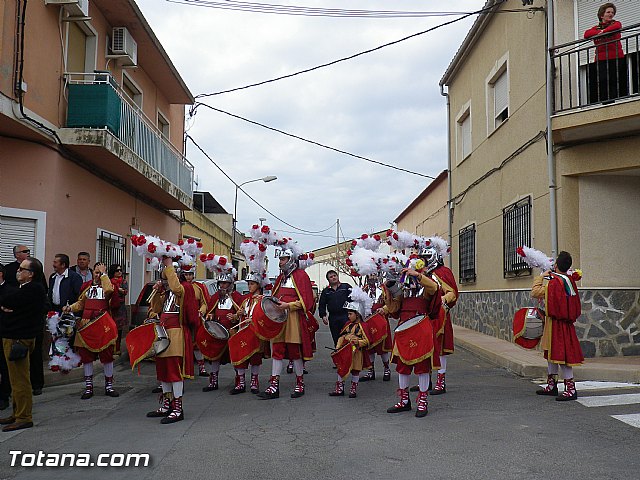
139, 134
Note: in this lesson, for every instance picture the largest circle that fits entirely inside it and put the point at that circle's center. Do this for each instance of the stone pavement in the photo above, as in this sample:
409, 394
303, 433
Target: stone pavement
531, 363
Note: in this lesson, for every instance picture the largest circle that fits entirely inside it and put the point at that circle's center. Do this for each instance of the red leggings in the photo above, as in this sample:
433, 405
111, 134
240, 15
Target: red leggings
87, 356
421, 367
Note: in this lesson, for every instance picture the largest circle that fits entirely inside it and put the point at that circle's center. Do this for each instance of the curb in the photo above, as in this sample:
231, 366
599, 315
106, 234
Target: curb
52, 379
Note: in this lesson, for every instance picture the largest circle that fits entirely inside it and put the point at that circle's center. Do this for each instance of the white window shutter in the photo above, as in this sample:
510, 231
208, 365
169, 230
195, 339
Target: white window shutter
465, 131
501, 94
16, 231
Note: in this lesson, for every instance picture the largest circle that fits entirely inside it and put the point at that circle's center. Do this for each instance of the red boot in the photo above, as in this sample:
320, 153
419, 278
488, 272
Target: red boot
339, 391
213, 382
240, 385
370, 375
298, 391
176, 413
404, 404
422, 404
165, 407
441, 386
569, 393
273, 390
551, 388
255, 383
202, 371
353, 391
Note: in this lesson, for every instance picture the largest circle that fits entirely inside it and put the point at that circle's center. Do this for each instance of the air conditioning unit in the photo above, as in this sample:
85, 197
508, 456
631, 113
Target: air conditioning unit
123, 44
75, 8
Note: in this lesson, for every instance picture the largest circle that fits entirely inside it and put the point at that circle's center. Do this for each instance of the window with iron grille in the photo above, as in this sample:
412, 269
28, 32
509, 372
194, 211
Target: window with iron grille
467, 254
516, 231
111, 249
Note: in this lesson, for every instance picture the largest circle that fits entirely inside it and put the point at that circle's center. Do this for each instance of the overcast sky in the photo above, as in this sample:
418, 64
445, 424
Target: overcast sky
385, 105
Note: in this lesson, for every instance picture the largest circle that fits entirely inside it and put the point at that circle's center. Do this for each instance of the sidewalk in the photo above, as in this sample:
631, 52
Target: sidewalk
77, 374
531, 363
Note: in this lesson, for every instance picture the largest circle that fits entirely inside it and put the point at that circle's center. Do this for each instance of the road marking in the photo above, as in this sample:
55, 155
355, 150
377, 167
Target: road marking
592, 385
632, 419
609, 400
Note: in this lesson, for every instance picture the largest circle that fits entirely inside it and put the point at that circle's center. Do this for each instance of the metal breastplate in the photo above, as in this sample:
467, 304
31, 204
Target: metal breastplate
95, 293
171, 304
288, 283
225, 304
249, 306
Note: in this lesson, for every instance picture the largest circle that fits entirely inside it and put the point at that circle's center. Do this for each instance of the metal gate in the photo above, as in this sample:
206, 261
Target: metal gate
111, 249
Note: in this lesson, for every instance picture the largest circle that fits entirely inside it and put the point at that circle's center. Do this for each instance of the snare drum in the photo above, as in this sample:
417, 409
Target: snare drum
268, 320
97, 334
528, 326
243, 345
376, 329
144, 342
413, 340
211, 339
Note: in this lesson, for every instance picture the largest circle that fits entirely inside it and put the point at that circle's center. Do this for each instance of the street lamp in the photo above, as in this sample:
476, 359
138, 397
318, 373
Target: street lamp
262, 220
267, 179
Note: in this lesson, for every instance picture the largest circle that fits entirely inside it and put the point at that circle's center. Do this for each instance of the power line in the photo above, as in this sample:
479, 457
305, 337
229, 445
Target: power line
350, 57
189, 137
344, 152
294, 10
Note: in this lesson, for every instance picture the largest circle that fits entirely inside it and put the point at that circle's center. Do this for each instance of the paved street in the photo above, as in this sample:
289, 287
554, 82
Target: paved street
489, 425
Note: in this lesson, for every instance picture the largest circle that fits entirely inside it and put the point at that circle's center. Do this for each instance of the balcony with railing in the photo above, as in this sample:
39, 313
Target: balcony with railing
597, 90
112, 134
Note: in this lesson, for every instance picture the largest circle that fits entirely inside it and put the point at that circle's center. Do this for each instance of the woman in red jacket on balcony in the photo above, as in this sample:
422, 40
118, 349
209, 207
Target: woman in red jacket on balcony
608, 75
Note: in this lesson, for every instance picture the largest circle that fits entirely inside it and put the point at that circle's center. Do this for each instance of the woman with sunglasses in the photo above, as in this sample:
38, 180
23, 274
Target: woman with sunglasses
118, 307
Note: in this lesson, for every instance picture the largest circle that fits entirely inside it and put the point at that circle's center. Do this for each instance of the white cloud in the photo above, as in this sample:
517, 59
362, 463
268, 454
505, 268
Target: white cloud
385, 105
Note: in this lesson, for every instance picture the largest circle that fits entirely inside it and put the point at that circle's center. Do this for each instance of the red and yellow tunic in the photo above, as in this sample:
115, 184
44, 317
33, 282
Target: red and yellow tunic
562, 308
301, 325
449, 290
176, 362
354, 331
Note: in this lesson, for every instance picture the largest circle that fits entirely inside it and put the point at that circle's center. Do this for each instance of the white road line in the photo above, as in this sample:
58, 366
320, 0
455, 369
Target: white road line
593, 385
632, 419
608, 400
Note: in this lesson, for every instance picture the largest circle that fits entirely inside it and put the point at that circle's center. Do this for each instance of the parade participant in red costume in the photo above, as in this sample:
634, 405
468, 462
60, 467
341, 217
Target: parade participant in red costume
382, 348
293, 289
202, 298
354, 333
436, 248
176, 306
97, 331
418, 305
559, 340
222, 307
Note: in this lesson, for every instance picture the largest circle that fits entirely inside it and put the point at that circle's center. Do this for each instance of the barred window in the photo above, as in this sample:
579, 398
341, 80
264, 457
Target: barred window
516, 229
467, 254
111, 249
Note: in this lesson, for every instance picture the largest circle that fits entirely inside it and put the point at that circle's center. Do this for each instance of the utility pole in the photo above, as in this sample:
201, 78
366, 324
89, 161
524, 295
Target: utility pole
337, 244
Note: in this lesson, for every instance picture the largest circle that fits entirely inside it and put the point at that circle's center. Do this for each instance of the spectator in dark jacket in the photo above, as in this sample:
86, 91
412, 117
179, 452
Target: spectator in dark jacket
5, 386
64, 283
22, 316
20, 252
332, 299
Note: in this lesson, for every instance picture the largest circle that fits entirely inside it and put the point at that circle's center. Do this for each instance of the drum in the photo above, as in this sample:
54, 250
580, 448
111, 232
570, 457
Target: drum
97, 334
376, 328
342, 359
528, 326
146, 341
268, 321
243, 344
216, 330
212, 345
413, 340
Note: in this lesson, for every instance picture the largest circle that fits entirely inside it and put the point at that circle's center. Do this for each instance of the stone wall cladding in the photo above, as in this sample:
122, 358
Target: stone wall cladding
609, 325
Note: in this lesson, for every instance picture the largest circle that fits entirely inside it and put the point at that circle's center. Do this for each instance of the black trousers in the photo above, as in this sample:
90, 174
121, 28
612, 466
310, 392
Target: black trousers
335, 325
36, 363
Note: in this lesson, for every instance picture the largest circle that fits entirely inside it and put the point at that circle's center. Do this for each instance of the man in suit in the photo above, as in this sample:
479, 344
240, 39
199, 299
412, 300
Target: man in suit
23, 311
5, 386
64, 283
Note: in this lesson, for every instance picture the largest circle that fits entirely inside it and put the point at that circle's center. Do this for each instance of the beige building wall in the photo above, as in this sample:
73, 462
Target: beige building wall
427, 213
214, 239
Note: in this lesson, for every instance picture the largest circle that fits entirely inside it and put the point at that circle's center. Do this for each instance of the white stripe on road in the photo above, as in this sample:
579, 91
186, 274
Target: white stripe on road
592, 385
608, 400
632, 419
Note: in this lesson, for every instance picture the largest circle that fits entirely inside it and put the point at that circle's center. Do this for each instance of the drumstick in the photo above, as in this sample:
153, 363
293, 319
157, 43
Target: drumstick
333, 349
